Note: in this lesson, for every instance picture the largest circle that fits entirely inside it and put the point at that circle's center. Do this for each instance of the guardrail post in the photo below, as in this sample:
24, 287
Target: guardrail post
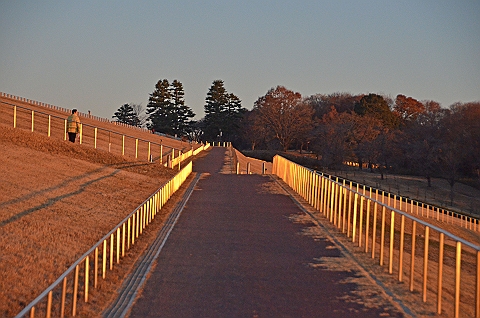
374, 227
104, 259
123, 145
161, 154
344, 210
400, 257
95, 138
49, 125
477, 288
248, 167
111, 251
95, 269
354, 227
425, 263
75, 292
382, 236
87, 271
33, 119
64, 296
118, 245
360, 230
81, 133
14, 116
123, 239
440, 274
392, 240
458, 263
49, 305
367, 222
412, 255
136, 148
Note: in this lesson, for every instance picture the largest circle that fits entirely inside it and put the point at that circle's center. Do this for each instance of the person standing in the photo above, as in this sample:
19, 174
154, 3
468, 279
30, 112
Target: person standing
73, 125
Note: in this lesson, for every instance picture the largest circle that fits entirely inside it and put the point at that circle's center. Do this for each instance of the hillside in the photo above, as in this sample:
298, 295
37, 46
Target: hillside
109, 134
56, 200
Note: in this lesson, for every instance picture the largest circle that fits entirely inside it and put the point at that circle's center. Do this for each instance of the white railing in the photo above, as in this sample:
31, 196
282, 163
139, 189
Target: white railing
61, 299
451, 265
99, 138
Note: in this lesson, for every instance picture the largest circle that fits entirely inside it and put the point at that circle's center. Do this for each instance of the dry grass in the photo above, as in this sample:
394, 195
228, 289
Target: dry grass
109, 135
57, 199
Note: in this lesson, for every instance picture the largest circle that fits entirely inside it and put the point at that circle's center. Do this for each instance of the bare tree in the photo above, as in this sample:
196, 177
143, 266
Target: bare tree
284, 113
332, 138
139, 111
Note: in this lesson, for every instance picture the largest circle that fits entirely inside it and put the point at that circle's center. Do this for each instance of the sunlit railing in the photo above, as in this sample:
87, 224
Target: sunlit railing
450, 274
58, 108
61, 298
201, 148
98, 138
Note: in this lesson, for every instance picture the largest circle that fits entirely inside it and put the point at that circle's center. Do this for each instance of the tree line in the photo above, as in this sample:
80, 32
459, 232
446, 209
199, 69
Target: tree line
167, 113
377, 132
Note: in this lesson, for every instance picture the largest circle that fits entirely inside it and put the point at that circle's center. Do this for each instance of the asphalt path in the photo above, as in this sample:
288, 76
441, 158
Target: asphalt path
235, 251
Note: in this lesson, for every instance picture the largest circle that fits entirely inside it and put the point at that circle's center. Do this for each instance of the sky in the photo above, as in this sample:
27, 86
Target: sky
99, 55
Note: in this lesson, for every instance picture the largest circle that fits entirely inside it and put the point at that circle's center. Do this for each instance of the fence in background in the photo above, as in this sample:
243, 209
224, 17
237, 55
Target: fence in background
57, 108
396, 238
405, 204
98, 138
60, 299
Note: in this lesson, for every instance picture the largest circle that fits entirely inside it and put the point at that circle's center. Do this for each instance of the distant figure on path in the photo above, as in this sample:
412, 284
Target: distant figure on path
73, 125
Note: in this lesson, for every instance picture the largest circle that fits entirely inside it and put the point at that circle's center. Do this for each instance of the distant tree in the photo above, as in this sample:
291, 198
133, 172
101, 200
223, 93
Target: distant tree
459, 136
408, 109
332, 138
223, 112
342, 102
195, 131
182, 113
139, 111
366, 130
233, 114
432, 115
166, 109
421, 146
159, 108
376, 106
254, 131
284, 113
126, 114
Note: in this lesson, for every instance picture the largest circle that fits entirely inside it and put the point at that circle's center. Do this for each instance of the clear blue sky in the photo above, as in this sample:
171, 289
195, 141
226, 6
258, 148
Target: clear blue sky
98, 55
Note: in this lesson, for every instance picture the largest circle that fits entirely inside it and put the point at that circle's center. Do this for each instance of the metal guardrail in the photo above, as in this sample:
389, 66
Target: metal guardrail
58, 108
406, 204
359, 217
61, 300
98, 138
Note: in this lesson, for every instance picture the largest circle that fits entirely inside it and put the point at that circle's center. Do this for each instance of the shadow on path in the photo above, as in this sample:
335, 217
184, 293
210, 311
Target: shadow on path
238, 250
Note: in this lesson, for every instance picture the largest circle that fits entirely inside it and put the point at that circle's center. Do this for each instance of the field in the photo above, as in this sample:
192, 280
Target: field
57, 199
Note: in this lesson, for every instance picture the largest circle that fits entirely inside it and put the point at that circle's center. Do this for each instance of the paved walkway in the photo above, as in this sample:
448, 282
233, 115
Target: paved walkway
236, 251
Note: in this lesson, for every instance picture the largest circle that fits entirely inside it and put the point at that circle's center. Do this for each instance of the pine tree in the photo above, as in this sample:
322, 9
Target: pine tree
182, 113
376, 106
126, 114
159, 108
222, 113
166, 109
233, 115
